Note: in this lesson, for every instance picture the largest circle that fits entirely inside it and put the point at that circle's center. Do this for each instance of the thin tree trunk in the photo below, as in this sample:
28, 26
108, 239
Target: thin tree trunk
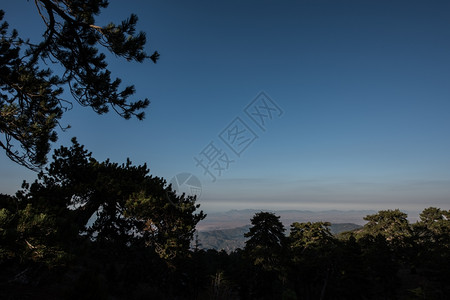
324, 287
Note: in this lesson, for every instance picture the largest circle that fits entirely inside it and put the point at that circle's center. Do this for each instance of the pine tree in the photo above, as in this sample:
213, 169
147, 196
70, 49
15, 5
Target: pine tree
32, 102
264, 249
266, 240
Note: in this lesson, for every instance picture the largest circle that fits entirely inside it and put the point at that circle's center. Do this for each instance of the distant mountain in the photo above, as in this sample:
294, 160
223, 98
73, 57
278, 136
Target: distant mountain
343, 227
239, 218
225, 239
233, 238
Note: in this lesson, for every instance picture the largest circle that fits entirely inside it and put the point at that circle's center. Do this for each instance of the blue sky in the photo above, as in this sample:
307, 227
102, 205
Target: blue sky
364, 89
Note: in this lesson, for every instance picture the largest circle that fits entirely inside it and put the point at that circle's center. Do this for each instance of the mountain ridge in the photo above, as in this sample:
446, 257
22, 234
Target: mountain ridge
238, 218
231, 239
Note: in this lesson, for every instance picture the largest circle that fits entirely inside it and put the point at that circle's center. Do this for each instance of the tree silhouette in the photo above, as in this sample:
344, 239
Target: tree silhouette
31, 94
393, 225
110, 220
431, 255
127, 203
433, 226
311, 264
264, 249
266, 240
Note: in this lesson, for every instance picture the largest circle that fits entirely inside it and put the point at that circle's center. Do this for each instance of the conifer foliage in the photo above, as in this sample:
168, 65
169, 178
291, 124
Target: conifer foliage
32, 102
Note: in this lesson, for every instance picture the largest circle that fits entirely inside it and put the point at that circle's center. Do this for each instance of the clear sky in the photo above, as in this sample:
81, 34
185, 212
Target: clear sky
358, 115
